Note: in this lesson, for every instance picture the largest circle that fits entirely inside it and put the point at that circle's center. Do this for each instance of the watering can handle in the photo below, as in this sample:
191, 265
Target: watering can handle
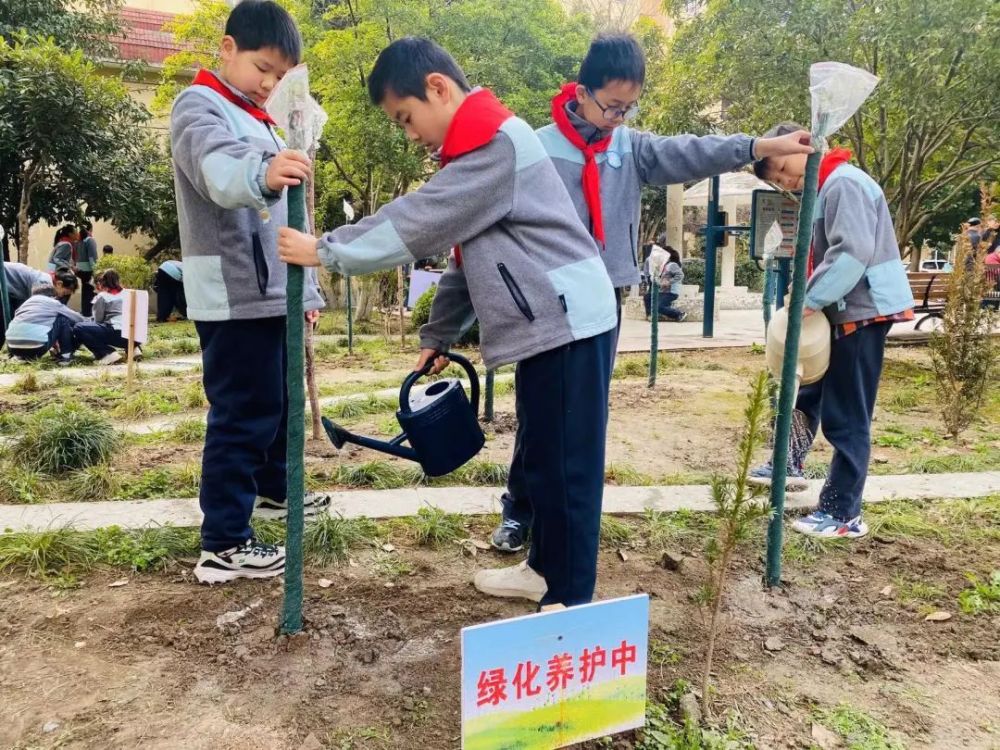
413, 377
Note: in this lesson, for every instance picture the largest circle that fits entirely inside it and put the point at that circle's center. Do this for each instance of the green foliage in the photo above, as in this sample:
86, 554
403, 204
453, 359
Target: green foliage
662, 732
859, 730
615, 533
85, 24
379, 475
63, 438
329, 538
630, 367
97, 482
189, 431
763, 79
144, 549
193, 396
981, 596
135, 272
27, 383
422, 307
171, 481
352, 408
45, 552
625, 475
52, 165
19, 484
433, 527
964, 354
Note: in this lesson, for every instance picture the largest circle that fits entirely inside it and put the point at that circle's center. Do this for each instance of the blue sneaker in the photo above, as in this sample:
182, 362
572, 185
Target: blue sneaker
824, 525
795, 480
508, 536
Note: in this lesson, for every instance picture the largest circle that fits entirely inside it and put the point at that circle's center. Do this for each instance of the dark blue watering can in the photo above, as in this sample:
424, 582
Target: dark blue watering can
442, 430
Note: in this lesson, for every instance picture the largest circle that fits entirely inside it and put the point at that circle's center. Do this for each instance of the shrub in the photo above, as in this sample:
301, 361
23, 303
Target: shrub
135, 271
62, 438
422, 313
98, 482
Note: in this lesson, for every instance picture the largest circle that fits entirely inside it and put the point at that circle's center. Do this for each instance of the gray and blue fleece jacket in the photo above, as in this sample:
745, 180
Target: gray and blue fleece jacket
21, 279
530, 272
857, 270
228, 218
34, 320
633, 159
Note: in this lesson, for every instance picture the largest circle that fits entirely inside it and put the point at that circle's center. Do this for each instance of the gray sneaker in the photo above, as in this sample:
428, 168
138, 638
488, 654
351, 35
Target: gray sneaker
508, 536
795, 480
313, 504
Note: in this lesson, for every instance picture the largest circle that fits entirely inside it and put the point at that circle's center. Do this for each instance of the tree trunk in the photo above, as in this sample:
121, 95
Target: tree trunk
366, 298
23, 224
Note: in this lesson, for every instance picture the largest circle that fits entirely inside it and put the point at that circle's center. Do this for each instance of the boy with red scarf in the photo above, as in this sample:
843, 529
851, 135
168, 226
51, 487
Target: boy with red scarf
525, 266
230, 173
857, 280
604, 165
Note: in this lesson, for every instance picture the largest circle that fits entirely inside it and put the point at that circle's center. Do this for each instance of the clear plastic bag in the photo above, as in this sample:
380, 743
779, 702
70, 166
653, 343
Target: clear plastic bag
838, 90
296, 112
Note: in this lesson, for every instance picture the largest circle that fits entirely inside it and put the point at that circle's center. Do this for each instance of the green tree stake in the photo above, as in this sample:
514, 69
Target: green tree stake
654, 330
488, 399
786, 396
291, 618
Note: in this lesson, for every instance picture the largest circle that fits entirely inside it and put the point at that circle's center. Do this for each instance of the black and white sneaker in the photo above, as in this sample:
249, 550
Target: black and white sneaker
249, 560
313, 504
508, 536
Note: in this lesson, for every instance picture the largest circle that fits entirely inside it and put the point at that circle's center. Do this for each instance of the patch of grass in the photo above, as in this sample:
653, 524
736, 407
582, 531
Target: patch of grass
859, 730
662, 529
625, 475
662, 654
662, 732
46, 552
170, 481
433, 527
329, 538
65, 437
193, 396
390, 565
902, 520
353, 408
910, 590
188, 431
11, 423
19, 484
145, 549
981, 596
815, 469
27, 383
631, 367
97, 482
145, 404
479, 473
680, 478
984, 458
379, 475
615, 533
806, 550
903, 399
757, 349
387, 426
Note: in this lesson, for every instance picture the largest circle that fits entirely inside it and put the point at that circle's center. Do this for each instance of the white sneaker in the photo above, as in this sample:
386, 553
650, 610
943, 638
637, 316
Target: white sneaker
137, 354
518, 582
250, 560
111, 359
313, 504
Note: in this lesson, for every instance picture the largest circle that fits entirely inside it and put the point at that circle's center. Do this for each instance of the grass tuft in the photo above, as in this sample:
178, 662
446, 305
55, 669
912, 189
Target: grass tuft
62, 438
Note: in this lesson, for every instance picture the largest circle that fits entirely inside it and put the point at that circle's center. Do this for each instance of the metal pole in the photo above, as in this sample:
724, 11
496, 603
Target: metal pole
654, 329
784, 265
488, 401
711, 242
789, 385
350, 318
4, 294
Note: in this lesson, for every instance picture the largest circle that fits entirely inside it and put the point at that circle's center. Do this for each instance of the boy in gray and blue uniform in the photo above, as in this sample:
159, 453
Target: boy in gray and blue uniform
604, 165
230, 173
857, 280
41, 324
525, 266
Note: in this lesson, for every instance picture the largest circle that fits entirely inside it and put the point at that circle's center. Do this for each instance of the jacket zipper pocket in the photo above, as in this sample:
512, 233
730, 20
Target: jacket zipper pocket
515, 292
631, 244
260, 264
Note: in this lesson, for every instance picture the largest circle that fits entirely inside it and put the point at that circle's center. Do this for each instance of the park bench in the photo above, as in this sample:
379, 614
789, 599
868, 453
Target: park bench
930, 292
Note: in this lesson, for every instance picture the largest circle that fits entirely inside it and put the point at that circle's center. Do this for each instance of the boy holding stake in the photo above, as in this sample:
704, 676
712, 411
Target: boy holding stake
527, 269
604, 165
230, 174
857, 280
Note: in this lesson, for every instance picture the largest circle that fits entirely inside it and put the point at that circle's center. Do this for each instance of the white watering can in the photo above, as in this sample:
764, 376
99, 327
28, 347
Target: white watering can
814, 346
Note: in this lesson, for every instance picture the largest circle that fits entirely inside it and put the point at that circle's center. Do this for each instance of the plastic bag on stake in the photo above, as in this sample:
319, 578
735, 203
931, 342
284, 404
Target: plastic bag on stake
837, 91
296, 112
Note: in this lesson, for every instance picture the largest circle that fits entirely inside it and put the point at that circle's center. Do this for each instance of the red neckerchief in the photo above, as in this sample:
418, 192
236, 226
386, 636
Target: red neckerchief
475, 124
209, 79
833, 159
591, 175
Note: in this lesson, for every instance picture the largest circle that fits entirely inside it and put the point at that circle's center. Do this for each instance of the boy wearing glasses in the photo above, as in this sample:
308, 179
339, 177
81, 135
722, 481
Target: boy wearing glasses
604, 165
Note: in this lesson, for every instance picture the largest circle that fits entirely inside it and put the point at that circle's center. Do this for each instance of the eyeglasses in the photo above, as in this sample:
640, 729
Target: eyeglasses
615, 113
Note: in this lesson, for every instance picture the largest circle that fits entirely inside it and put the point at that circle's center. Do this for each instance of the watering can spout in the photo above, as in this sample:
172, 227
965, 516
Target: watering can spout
339, 437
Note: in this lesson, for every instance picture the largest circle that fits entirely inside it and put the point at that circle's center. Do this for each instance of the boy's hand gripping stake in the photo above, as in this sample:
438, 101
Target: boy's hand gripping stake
837, 91
302, 120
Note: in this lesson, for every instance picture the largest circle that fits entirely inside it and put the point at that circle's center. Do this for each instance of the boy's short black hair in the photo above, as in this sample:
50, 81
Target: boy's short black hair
257, 24
782, 128
404, 65
612, 57
66, 277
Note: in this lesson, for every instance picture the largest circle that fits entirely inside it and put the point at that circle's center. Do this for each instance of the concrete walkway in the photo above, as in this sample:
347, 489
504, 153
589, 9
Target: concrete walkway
185, 363
474, 501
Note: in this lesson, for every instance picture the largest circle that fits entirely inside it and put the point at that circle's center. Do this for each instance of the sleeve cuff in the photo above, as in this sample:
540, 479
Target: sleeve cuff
430, 342
266, 193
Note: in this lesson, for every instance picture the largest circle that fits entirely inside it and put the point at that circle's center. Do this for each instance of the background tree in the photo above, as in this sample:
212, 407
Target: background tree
73, 24
930, 131
73, 143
